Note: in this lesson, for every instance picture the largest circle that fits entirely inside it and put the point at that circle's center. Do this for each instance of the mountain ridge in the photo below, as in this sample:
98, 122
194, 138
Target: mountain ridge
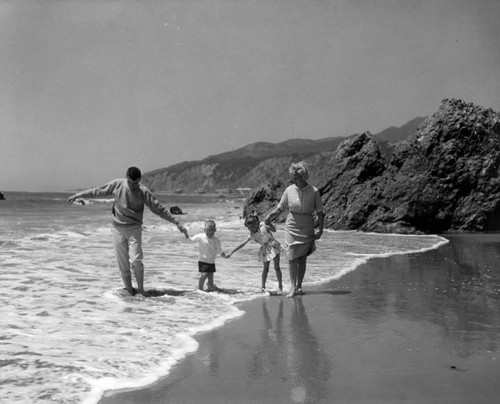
249, 165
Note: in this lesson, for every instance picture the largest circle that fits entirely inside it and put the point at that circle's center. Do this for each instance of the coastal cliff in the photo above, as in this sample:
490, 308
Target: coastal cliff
443, 178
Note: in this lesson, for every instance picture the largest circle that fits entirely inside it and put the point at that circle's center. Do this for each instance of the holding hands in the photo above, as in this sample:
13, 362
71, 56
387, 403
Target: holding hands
183, 230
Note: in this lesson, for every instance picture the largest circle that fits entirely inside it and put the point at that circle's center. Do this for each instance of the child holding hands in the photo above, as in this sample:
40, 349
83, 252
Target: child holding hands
270, 248
209, 247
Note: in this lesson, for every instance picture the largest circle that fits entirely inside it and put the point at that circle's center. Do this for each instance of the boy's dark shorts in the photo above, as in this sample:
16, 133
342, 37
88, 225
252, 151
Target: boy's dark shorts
205, 267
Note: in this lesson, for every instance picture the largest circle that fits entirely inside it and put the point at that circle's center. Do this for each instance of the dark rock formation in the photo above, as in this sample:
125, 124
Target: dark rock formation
175, 210
351, 193
443, 178
263, 199
2, 197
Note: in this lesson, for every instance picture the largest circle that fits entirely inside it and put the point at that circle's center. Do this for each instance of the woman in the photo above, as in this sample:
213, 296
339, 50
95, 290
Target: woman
302, 200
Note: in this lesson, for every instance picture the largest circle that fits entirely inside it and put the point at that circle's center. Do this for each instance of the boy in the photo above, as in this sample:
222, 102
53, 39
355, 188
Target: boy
208, 248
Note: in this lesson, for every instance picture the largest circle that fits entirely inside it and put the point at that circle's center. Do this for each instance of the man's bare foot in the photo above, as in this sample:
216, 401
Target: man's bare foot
292, 292
300, 292
213, 288
131, 291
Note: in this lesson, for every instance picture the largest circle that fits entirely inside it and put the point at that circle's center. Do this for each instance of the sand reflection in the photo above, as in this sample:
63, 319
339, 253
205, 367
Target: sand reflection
291, 352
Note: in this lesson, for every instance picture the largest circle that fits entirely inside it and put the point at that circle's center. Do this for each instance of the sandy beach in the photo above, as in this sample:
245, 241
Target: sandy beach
421, 328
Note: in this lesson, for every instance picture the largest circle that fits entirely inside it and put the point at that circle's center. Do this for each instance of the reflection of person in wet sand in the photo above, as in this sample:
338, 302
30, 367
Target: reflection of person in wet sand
291, 354
266, 357
308, 366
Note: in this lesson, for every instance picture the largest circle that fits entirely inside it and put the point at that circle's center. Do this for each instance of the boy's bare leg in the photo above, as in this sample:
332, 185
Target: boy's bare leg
211, 286
203, 277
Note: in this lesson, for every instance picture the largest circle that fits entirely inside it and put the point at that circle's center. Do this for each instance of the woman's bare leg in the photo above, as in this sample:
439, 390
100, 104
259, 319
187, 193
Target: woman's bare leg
302, 263
294, 272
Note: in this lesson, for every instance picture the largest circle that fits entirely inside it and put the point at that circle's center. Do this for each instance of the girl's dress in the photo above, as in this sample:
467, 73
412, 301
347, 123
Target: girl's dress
269, 247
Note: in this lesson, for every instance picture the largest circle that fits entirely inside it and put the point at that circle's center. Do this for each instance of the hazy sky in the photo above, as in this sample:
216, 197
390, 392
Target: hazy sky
89, 88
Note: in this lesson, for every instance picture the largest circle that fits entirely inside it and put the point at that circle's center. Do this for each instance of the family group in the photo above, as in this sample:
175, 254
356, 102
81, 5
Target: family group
301, 199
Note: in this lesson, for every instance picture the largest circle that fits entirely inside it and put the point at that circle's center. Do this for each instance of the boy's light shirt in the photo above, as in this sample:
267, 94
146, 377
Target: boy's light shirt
208, 249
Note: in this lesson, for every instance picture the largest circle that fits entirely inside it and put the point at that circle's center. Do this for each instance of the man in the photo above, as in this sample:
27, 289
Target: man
128, 209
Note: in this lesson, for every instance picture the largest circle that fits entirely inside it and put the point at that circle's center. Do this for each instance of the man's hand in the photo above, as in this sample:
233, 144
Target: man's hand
71, 199
183, 230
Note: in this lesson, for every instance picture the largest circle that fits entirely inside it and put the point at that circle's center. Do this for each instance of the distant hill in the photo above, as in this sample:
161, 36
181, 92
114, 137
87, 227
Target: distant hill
250, 165
393, 134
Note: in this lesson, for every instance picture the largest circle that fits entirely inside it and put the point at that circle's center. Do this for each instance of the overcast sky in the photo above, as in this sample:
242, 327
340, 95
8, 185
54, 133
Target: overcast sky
89, 88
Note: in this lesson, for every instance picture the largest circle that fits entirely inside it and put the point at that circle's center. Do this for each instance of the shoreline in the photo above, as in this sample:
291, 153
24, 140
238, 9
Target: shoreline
403, 329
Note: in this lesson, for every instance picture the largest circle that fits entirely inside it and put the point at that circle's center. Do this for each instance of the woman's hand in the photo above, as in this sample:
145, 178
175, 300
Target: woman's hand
271, 216
318, 235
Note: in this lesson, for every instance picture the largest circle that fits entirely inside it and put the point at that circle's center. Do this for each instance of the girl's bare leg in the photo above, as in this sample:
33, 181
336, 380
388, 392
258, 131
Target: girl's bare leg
265, 271
278, 272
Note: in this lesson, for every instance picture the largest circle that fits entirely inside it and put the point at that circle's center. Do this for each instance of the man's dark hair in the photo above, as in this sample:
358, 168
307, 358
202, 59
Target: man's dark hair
134, 173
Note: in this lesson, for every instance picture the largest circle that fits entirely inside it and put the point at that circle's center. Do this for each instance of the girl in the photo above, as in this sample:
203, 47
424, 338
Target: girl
270, 248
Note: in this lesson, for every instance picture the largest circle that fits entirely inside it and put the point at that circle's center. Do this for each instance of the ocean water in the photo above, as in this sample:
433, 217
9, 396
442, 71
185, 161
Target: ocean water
70, 332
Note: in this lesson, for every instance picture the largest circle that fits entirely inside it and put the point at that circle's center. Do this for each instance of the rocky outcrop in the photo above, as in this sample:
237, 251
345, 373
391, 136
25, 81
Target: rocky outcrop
264, 198
352, 190
2, 197
443, 178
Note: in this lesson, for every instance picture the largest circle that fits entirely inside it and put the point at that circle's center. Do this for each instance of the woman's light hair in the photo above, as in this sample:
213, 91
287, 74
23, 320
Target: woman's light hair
301, 169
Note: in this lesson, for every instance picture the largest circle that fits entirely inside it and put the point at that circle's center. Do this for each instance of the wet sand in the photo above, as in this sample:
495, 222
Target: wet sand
420, 328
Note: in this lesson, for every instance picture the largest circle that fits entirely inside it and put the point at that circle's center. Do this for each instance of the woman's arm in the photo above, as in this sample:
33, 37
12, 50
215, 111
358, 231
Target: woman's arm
321, 219
270, 227
282, 205
272, 215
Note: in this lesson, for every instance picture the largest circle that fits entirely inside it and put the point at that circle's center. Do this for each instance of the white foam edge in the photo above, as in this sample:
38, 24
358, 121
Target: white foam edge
109, 386
364, 258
